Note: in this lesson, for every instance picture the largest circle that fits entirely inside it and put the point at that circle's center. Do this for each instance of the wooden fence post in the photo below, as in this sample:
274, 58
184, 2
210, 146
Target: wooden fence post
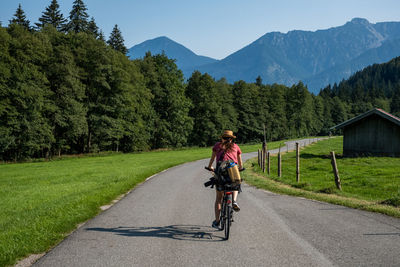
297, 162
335, 171
268, 163
279, 163
264, 148
259, 157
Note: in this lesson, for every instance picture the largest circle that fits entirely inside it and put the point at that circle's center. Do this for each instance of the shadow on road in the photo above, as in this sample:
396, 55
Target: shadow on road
178, 232
384, 234
337, 208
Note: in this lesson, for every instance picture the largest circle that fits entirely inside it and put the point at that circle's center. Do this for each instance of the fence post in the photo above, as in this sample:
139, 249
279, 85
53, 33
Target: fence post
259, 156
297, 162
335, 171
268, 163
264, 148
279, 163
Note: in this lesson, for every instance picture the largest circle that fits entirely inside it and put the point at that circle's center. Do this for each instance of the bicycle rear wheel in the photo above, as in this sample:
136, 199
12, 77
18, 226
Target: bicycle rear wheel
227, 219
222, 217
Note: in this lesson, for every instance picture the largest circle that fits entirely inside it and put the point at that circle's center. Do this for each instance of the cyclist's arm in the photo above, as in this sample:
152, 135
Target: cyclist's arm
240, 162
212, 160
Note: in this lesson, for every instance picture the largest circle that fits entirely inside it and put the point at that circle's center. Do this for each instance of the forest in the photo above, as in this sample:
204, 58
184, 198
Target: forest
65, 89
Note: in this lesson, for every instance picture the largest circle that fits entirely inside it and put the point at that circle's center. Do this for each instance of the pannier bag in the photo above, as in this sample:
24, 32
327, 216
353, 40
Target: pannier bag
233, 172
222, 174
228, 173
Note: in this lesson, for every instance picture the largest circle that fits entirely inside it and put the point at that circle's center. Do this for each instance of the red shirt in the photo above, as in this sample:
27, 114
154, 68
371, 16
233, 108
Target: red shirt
232, 154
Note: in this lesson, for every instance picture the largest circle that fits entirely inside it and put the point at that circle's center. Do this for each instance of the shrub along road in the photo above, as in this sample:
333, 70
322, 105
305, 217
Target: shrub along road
166, 221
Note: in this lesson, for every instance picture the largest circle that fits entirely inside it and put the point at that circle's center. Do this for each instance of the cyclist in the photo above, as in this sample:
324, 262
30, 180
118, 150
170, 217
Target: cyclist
226, 149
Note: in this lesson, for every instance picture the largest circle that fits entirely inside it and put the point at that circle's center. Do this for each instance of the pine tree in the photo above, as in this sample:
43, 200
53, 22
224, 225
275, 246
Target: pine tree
78, 17
116, 40
20, 18
101, 36
277, 126
93, 29
299, 109
395, 104
246, 102
259, 81
52, 16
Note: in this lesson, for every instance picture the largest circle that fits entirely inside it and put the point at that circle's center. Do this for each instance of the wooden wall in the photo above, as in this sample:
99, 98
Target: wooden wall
372, 135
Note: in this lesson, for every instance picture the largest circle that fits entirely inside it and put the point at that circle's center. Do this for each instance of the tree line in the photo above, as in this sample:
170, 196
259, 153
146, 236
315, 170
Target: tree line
377, 85
65, 90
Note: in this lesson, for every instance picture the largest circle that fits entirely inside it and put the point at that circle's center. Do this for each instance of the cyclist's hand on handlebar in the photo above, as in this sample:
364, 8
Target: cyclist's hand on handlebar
209, 169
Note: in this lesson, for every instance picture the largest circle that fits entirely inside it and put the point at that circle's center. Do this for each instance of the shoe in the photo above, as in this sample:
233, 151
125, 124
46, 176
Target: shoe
215, 224
235, 206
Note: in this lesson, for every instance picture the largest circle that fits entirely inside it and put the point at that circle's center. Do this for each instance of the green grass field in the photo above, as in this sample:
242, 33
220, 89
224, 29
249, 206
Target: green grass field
371, 180
41, 202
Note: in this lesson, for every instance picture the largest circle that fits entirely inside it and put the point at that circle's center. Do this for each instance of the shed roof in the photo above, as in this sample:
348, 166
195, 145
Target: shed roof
376, 111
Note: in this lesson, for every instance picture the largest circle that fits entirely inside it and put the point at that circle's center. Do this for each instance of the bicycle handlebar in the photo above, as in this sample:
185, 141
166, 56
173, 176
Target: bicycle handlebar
211, 170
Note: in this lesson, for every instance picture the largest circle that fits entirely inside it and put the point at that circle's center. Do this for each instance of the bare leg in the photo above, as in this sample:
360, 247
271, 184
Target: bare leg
235, 205
235, 194
218, 201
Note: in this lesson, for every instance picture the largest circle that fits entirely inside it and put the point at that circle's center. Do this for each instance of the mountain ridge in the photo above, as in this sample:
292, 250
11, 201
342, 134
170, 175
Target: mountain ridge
184, 56
314, 57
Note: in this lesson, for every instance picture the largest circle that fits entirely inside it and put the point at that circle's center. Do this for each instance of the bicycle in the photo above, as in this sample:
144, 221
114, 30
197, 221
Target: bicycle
226, 214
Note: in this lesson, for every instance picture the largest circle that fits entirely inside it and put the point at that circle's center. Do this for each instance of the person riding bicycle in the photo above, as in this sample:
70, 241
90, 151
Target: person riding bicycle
225, 150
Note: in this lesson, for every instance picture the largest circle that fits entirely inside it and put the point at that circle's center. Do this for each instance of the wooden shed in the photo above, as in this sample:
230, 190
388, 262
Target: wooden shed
374, 133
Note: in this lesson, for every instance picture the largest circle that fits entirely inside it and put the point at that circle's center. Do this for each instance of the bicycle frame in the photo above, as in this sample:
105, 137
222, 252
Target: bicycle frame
226, 215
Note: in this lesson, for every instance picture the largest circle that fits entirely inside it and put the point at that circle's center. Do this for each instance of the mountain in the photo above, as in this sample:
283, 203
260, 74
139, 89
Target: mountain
186, 60
381, 54
317, 58
323, 55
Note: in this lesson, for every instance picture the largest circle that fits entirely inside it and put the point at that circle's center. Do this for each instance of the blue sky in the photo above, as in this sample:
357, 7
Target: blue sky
214, 28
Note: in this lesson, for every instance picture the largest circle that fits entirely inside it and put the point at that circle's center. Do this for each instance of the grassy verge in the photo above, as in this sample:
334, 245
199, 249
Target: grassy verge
41, 202
371, 184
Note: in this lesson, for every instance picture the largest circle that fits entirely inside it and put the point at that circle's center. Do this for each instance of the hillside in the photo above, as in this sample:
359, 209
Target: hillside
375, 86
336, 74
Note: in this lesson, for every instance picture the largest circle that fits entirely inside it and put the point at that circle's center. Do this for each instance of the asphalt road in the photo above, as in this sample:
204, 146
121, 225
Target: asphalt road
166, 221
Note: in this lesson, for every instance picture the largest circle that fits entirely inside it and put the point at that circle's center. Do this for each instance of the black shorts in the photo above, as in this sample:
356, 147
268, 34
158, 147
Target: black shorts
219, 187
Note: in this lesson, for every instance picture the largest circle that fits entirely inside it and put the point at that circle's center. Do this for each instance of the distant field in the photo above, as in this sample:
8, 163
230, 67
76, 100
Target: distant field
375, 180
41, 202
